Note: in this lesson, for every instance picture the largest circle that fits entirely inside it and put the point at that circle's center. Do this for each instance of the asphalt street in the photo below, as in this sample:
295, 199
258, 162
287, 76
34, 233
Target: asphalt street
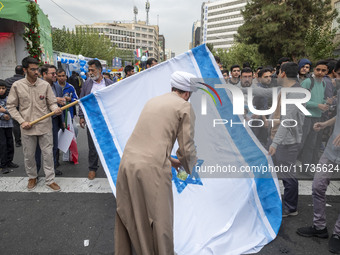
83, 222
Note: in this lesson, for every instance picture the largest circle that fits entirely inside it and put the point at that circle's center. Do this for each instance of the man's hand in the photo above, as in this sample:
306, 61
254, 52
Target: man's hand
323, 107
58, 111
61, 101
26, 125
330, 100
2, 109
336, 141
319, 125
6, 117
82, 122
271, 151
175, 163
68, 99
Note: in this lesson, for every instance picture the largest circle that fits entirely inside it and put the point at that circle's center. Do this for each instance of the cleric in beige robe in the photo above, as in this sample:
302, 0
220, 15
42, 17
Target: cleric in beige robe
144, 218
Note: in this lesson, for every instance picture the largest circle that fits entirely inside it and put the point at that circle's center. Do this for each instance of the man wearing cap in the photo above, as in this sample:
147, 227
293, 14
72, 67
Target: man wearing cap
144, 217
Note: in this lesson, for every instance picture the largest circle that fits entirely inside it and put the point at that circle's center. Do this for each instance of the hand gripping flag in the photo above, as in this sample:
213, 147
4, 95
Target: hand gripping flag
218, 215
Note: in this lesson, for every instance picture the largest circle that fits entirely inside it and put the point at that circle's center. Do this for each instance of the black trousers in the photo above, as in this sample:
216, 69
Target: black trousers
6, 146
16, 131
93, 155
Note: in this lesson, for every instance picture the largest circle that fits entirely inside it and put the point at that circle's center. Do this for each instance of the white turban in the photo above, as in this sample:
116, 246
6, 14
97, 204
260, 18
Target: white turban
183, 81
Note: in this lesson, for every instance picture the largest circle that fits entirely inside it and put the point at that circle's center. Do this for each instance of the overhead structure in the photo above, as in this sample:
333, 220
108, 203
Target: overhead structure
147, 8
135, 11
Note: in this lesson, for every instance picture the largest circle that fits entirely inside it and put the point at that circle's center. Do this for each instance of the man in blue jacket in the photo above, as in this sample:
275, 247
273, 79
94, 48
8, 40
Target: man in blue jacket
96, 82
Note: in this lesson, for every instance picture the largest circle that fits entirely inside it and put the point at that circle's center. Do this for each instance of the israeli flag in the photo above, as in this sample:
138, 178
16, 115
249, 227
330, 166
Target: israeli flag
215, 211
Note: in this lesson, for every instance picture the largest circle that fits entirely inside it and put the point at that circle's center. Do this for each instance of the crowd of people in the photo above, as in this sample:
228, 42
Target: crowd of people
313, 141
310, 142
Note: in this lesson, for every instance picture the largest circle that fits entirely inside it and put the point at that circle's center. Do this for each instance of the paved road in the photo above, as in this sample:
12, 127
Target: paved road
42, 222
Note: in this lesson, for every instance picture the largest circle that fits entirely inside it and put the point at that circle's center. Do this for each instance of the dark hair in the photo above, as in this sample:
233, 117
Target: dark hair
246, 64
19, 70
259, 68
337, 66
97, 64
178, 90
44, 68
283, 59
60, 70
262, 71
271, 69
321, 62
29, 60
331, 65
128, 68
225, 71
217, 59
246, 70
234, 66
2, 83
150, 60
291, 69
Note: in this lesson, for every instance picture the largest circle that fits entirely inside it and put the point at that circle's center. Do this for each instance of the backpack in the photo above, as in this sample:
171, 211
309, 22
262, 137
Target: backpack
312, 84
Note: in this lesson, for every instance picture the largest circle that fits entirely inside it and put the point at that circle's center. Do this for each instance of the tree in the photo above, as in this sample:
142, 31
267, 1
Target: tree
240, 53
87, 43
279, 27
211, 48
318, 44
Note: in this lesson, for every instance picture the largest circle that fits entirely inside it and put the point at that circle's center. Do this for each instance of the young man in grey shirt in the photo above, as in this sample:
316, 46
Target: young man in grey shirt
286, 140
328, 164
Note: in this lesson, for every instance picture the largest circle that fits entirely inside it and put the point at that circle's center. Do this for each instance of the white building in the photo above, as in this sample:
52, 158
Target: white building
220, 21
129, 36
169, 54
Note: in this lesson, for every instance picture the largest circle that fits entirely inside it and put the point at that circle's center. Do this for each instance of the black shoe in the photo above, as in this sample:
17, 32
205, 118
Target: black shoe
18, 144
4, 170
12, 165
312, 231
334, 244
58, 172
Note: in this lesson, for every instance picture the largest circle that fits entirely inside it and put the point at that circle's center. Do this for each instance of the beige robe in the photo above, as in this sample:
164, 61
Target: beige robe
144, 217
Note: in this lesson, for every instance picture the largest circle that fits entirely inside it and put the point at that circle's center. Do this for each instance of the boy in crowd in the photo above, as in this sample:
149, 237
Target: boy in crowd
6, 138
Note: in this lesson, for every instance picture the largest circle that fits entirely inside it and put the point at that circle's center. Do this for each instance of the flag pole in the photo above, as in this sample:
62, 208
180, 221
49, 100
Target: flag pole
52, 113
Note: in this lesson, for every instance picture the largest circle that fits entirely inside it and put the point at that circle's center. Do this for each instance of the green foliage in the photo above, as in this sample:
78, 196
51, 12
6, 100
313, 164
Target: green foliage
319, 43
279, 27
87, 43
240, 53
211, 48
32, 33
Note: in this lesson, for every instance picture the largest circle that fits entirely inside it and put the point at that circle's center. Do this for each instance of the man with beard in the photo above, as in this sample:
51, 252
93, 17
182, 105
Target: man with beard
34, 98
144, 217
96, 82
49, 74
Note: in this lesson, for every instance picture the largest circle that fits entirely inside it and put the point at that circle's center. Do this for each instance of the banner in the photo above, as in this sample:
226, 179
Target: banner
215, 214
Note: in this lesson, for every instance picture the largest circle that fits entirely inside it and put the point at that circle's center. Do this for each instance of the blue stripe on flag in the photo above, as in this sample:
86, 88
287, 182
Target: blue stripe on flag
266, 187
102, 134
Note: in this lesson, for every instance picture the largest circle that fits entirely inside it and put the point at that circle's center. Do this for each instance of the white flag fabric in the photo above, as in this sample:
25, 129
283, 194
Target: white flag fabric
216, 214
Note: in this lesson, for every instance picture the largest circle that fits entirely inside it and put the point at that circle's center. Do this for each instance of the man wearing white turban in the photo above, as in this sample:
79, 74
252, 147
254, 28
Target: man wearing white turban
144, 217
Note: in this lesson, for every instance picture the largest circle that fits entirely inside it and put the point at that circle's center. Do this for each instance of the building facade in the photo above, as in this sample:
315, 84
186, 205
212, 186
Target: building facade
128, 36
220, 21
196, 34
161, 40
